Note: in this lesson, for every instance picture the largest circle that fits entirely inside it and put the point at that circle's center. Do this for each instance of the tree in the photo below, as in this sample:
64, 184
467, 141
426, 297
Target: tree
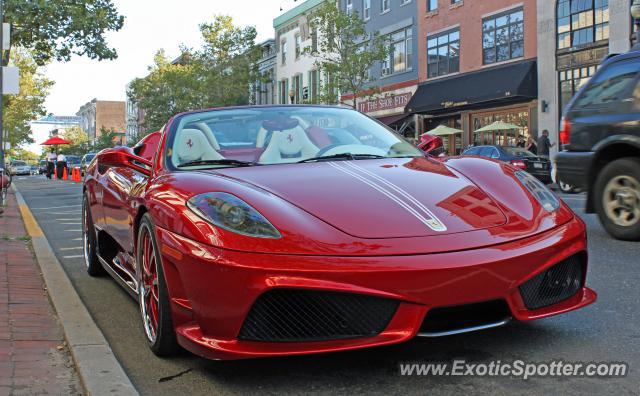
344, 53
106, 139
218, 74
79, 141
28, 105
57, 29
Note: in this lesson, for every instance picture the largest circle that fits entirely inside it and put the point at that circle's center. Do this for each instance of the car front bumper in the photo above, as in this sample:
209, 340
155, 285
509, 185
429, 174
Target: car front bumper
213, 290
573, 167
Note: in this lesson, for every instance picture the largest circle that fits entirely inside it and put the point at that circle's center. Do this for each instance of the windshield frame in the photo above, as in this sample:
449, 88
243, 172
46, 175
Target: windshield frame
177, 121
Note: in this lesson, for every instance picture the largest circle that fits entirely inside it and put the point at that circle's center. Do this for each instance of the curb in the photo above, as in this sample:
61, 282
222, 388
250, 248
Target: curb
98, 369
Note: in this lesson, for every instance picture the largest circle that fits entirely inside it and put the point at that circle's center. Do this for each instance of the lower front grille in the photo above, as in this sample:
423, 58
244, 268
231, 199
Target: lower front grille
554, 285
460, 317
294, 315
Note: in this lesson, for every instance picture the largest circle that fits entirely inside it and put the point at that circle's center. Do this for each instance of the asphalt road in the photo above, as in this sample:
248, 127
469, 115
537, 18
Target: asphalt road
606, 331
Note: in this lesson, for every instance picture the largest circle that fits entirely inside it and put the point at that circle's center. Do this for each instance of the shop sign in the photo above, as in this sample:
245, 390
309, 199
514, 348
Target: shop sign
385, 103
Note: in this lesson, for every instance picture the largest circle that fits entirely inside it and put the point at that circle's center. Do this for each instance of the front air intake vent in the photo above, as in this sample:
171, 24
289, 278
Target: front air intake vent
554, 285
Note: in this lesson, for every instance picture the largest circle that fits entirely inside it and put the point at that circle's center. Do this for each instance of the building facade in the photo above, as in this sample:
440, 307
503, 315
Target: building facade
134, 120
264, 90
476, 65
573, 38
297, 77
98, 114
396, 78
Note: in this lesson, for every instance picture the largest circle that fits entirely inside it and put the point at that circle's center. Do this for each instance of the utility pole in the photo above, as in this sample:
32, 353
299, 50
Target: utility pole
1, 85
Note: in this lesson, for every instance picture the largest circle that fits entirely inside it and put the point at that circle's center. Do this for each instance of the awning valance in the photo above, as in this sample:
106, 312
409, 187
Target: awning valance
504, 83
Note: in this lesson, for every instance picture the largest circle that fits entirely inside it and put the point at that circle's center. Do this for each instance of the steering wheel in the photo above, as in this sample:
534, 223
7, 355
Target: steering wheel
334, 149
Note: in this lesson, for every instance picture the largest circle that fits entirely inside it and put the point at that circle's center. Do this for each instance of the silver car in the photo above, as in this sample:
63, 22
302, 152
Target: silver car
19, 168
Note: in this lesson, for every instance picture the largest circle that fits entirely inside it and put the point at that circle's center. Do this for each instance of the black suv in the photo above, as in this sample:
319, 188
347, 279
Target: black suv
600, 133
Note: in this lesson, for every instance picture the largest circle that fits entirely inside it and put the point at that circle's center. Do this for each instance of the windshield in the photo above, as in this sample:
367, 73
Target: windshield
518, 152
19, 163
279, 135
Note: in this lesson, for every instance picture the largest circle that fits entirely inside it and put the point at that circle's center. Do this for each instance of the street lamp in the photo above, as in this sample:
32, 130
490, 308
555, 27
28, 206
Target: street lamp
635, 14
292, 94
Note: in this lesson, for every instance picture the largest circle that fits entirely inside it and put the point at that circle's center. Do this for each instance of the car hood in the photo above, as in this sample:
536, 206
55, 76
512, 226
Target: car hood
383, 198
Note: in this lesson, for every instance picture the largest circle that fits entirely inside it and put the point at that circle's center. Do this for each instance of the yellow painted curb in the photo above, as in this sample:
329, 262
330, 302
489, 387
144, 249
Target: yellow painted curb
30, 223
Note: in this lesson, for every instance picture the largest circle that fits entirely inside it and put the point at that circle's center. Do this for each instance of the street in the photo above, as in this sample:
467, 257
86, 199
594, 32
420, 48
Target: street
606, 331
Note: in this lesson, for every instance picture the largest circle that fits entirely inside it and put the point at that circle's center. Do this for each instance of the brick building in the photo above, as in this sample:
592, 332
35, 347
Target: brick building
476, 65
98, 114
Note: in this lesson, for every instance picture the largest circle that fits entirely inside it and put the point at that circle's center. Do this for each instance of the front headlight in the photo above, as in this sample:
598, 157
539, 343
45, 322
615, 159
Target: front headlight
543, 195
233, 214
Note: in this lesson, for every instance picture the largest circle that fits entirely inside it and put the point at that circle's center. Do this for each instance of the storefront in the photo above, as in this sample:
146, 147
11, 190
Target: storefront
388, 107
473, 100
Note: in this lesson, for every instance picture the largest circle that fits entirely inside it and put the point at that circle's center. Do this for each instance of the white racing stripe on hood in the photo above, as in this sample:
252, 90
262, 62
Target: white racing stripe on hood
430, 221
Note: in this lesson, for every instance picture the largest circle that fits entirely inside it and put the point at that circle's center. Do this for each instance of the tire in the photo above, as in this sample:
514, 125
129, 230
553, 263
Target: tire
89, 241
617, 198
156, 319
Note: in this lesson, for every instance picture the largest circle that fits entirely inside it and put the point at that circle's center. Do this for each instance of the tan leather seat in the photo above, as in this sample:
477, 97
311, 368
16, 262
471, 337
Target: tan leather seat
192, 145
288, 146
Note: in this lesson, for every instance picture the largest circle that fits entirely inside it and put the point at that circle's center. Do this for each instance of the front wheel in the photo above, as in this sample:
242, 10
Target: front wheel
89, 245
617, 198
152, 293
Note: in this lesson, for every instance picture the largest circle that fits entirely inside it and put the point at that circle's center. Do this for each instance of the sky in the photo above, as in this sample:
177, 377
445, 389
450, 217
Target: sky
149, 25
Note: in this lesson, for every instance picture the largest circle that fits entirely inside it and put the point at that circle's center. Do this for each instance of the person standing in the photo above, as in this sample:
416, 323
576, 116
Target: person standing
61, 165
51, 163
544, 144
531, 145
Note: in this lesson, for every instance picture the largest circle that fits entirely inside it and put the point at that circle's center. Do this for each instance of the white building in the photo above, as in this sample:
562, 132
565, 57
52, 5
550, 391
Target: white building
297, 79
48, 126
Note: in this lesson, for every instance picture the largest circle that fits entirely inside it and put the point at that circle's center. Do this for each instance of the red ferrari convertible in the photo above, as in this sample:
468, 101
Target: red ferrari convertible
263, 231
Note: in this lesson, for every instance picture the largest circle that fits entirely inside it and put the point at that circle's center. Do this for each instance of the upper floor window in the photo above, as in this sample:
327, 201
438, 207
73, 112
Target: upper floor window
298, 46
582, 22
456, 1
400, 52
349, 7
385, 6
443, 53
283, 50
366, 9
314, 38
432, 5
503, 37
403, 2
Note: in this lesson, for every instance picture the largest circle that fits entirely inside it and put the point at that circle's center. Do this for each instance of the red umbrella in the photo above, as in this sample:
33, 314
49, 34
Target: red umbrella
55, 141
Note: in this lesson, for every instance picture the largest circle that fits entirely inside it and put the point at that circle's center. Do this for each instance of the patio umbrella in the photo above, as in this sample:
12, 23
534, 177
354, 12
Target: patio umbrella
443, 130
55, 141
498, 126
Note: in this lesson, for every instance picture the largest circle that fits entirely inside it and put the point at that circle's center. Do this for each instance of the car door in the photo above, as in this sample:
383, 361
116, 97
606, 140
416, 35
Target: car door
606, 106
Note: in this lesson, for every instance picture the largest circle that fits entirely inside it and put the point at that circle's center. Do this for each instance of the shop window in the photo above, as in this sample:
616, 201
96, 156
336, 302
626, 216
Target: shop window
503, 37
518, 117
571, 81
443, 53
582, 22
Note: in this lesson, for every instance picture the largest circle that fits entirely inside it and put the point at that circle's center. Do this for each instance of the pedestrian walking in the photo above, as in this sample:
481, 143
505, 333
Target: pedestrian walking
531, 145
544, 145
51, 163
61, 165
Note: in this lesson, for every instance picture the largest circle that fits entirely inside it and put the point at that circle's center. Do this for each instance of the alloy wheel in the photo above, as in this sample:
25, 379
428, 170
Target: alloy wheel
148, 289
621, 200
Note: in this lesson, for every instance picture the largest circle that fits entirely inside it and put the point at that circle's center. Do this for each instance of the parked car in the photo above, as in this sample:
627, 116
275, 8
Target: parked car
42, 167
520, 158
34, 169
19, 168
73, 161
306, 229
86, 159
600, 133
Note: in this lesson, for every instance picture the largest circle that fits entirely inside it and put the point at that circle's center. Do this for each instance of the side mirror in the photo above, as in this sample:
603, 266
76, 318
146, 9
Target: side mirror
124, 157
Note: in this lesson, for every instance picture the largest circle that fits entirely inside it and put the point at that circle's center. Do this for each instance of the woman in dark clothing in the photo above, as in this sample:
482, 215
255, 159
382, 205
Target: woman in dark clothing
531, 145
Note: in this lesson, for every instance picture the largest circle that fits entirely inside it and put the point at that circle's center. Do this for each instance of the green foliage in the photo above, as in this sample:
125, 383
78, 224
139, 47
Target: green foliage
345, 53
79, 142
19, 110
106, 139
57, 29
218, 74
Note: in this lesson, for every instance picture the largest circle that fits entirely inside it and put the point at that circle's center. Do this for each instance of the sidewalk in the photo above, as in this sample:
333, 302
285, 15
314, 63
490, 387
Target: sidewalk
33, 358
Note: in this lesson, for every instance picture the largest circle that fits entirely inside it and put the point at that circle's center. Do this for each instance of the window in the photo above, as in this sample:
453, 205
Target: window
283, 91
385, 6
366, 9
298, 46
432, 5
314, 82
571, 81
456, 1
610, 85
349, 7
503, 37
443, 53
582, 22
283, 47
401, 52
297, 88
314, 38
403, 2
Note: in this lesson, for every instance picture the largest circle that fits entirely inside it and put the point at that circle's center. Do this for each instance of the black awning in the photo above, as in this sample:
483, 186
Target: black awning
505, 83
